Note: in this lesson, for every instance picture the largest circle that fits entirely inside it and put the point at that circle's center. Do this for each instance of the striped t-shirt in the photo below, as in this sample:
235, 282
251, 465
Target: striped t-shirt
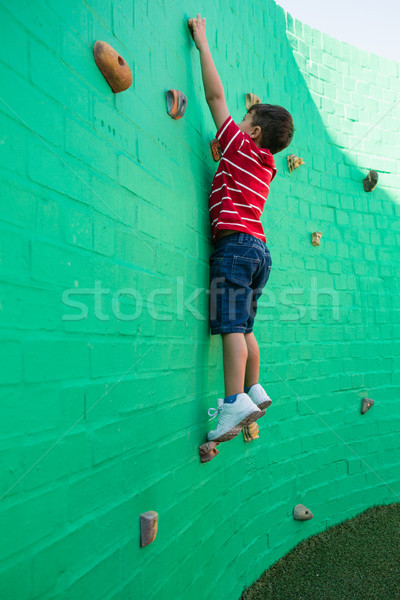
241, 183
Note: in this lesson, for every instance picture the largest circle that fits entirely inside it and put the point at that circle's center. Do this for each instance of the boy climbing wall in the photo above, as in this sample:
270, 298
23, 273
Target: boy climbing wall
240, 264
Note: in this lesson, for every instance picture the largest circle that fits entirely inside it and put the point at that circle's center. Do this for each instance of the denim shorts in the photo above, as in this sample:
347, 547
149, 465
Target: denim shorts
239, 269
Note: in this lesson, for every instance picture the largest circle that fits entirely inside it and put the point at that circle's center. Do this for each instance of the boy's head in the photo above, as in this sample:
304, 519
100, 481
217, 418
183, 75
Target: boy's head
270, 126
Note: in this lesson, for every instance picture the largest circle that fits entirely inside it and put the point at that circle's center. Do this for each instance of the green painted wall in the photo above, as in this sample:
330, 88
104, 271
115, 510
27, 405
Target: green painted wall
104, 203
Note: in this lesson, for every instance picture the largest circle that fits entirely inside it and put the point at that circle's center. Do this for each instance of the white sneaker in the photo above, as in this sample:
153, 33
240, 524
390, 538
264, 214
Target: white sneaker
232, 417
259, 396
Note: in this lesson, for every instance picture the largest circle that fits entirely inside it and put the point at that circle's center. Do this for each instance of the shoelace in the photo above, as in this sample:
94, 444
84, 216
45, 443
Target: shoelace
213, 412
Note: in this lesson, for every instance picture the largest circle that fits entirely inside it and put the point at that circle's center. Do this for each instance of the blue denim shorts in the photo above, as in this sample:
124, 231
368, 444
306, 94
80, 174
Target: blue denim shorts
239, 269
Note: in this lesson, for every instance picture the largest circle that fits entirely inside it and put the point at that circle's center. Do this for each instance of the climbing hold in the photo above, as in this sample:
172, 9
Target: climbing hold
176, 103
251, 432
252, 99
148, 527
316, 238
302, 513
216, 149
190, 25
294, 162
114, 68
366, 404
370, 181
208, 451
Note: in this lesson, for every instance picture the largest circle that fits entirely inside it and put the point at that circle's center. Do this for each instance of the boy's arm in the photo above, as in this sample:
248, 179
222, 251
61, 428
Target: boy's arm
213, 89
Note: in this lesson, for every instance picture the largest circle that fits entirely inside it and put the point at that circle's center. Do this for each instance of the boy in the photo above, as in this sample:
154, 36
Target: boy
241, 262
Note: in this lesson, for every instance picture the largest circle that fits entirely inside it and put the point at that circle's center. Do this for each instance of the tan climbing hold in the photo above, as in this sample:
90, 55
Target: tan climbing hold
251, 432
294, 162
148, 527
113, 67
316, 238
366, 404
302, 513
252, 99
216, 149
208, 451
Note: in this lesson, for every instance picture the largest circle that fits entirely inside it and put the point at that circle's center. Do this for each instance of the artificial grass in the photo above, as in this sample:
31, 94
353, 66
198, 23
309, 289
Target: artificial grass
358, 559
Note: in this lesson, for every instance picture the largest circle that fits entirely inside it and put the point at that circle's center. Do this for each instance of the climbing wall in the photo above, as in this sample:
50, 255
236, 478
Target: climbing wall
108, 365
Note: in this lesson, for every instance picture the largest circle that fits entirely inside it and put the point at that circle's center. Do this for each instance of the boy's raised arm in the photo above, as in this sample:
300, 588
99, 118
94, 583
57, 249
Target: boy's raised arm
213, 89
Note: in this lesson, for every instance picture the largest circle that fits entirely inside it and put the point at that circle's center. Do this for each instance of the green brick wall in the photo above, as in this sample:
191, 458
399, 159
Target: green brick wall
104, 214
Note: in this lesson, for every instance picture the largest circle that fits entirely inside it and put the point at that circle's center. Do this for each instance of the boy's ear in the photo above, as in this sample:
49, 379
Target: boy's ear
256, 131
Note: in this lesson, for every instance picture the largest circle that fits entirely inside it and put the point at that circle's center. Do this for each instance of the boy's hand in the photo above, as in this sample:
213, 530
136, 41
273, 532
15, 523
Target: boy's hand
198, 30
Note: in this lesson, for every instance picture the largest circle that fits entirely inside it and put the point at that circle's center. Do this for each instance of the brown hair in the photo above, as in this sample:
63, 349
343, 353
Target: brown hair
276, 126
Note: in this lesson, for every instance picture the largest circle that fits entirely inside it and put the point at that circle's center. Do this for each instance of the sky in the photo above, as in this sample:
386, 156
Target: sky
372, 26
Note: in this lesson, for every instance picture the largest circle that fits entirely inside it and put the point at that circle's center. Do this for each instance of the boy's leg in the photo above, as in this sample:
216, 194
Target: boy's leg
235, 357
257, 393
240, 411
253, 360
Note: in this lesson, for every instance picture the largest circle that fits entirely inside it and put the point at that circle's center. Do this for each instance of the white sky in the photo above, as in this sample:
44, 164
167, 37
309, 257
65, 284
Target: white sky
370, 25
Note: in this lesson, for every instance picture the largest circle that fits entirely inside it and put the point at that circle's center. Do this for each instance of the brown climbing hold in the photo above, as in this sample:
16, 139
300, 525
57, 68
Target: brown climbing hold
316, 238
114, 68
252, 99
148, 527
190, 25
208, 451
294, 162
302, 513
216, 149
251, 432
176, 103
370, 181
366, 404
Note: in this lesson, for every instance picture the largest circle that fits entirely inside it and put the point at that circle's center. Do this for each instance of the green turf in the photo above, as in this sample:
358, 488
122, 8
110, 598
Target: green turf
358, 559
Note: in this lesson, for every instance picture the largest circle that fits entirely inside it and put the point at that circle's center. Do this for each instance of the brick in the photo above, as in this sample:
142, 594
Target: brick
13, 150
293, 40
104, 236
152, 222
78, 228
13, 579
49, 360
70, 91
110, 200
11, 359
49, 168
21, 208
77, 54
44, 417
14, 258
106, 574
42, 24
23, 528
48, 216
14, 48
84, 145
70, 553
122, 356
50, 262
56, 458
123, 23
43, 307
136, 179
73, 15
96, 489
11, 458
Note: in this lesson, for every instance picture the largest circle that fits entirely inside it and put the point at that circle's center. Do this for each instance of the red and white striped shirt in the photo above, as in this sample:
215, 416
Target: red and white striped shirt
241, 183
